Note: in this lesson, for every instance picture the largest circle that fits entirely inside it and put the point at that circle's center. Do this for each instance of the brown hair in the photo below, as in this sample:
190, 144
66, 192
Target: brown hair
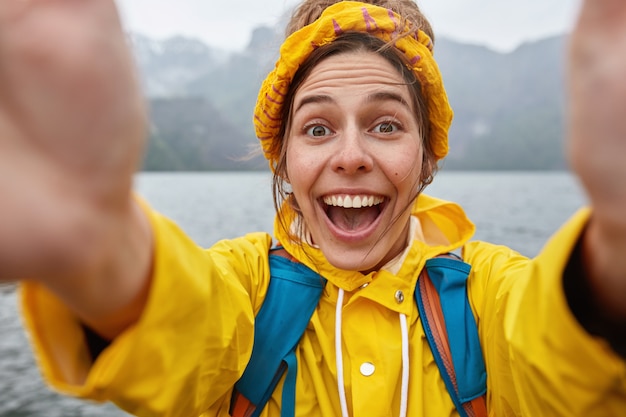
351, 42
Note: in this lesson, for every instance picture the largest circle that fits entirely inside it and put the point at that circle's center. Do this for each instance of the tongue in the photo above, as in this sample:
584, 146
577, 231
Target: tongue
352, 219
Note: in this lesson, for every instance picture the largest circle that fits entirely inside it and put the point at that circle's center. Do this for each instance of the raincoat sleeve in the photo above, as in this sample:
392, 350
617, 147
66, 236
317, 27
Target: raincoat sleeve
191, 343
540, 360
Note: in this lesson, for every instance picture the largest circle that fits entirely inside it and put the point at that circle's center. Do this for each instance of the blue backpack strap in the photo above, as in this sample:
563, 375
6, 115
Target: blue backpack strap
292, 296
450, 327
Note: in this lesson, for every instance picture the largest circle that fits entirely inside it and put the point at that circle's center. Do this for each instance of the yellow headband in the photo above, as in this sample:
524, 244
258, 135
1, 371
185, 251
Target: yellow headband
339, 18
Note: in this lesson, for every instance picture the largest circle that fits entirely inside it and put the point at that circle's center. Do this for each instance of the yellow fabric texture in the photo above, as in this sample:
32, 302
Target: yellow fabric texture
339, 18
194, 338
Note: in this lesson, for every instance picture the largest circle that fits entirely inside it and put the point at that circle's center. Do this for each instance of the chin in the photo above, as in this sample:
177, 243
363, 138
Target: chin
362, 261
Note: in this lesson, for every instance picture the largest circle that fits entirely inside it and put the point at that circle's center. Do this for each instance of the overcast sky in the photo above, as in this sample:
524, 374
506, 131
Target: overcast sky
227, 24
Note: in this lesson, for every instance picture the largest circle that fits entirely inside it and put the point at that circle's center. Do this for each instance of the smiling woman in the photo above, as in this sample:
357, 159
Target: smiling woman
353, 120
336, 150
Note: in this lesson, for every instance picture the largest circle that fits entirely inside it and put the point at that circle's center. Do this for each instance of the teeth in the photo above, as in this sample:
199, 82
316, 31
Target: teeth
357, 201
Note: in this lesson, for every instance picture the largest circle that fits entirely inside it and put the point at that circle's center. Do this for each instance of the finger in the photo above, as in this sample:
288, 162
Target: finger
609, 15
68, 82
62, 46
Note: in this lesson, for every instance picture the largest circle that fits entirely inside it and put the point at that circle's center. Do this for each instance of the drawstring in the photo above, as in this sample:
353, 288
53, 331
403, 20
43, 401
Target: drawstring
404, 388
339, 355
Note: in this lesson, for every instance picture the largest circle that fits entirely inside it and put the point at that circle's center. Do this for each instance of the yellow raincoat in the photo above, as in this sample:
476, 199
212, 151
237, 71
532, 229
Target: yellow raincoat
195, 336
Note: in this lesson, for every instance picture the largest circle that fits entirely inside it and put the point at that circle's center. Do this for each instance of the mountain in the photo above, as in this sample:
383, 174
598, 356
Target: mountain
168, 66
190, 134
233, 86
509, 107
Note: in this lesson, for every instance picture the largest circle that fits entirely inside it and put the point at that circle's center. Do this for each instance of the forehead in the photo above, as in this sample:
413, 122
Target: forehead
353, 73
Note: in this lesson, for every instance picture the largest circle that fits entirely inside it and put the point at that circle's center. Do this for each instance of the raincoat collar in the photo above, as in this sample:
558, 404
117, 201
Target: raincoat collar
438, 226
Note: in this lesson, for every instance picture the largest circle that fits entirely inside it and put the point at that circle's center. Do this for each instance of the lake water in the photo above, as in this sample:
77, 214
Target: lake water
517, 209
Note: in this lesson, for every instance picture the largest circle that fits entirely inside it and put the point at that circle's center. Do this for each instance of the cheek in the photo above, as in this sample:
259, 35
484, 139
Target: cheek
300, 170
302, 159
403, 165
292, 162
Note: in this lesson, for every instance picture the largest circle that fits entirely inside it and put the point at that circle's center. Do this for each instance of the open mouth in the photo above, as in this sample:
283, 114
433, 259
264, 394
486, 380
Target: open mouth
352, 213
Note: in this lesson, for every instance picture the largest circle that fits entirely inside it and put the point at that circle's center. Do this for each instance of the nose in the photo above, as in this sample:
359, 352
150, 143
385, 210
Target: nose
352, 155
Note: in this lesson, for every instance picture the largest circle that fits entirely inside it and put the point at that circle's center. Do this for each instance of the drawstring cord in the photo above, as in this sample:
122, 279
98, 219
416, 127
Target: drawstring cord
339, 355
404, 388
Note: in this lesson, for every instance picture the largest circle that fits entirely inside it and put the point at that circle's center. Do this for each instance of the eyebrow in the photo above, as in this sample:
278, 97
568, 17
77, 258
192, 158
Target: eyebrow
314, 99
379, 96
388, 96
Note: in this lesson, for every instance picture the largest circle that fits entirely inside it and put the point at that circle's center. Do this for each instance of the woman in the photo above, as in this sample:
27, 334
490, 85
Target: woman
353, 121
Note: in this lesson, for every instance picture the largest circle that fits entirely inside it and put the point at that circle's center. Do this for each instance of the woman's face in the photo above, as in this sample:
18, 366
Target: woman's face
354, 157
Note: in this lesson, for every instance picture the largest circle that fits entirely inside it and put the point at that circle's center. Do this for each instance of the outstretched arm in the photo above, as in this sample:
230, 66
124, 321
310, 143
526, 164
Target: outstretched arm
72, 127
597, 147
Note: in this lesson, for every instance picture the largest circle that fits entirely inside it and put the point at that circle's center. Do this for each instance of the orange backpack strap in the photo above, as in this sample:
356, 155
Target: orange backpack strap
452, 334
240, 406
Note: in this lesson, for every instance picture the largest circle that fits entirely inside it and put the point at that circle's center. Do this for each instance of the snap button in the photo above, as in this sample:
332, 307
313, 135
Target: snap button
367, 368
399, 297
364, 285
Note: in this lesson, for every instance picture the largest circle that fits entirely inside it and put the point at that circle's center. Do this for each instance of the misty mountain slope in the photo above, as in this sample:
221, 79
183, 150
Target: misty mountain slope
233, 86
189, 134
168, 66
509, 108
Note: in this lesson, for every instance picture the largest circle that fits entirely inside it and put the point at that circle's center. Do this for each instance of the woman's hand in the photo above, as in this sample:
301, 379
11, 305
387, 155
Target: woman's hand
597, 134
72, 127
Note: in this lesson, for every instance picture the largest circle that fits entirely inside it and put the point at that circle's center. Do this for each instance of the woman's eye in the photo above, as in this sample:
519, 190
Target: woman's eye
317, 131
385, 127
